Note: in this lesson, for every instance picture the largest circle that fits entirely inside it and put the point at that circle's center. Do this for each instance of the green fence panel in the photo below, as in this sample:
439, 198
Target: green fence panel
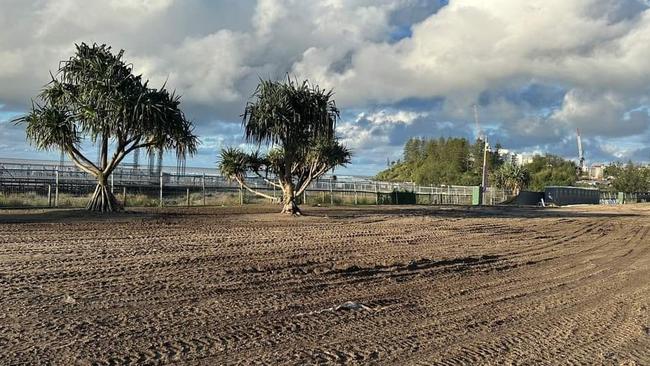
476, 196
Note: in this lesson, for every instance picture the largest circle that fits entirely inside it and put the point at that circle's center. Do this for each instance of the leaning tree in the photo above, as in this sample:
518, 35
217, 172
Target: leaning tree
95, 98
297, 123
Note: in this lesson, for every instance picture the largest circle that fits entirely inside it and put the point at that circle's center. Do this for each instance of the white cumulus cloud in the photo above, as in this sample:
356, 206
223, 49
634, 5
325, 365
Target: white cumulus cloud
538, 69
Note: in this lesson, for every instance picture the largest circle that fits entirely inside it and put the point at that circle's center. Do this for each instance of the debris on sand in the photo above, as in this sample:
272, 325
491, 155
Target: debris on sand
351, 305
346, 306
69, 299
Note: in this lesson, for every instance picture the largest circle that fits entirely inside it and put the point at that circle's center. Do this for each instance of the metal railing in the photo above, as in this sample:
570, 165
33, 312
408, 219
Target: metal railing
52, 180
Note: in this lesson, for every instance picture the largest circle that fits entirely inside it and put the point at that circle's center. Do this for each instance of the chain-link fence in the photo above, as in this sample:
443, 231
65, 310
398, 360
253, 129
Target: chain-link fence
57, 185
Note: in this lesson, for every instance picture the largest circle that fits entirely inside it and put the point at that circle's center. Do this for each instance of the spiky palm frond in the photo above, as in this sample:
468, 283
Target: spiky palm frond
163, 123
98, 96
277, 160
289, 114
258, 162
233, 163
512, 177
329, 152
50, 128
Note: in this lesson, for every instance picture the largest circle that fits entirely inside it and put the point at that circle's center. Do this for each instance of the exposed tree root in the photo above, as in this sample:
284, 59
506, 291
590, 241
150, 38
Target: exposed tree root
103, 200
291, 208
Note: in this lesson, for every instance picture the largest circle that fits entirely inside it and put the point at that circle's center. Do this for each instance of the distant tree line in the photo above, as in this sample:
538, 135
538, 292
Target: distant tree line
440, 161
551, 170
457, 161
628, 177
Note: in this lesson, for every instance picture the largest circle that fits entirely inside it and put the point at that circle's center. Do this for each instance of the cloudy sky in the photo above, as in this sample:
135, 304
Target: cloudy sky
537, 69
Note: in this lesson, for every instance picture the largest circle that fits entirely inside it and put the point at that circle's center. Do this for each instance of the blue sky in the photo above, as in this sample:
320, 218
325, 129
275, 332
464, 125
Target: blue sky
536, 69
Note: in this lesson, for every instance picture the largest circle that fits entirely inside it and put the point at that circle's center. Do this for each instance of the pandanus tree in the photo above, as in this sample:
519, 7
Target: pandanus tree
512, 177
95, 98
296, 121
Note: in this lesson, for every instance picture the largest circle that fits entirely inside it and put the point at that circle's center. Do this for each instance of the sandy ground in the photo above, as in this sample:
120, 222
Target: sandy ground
380, 286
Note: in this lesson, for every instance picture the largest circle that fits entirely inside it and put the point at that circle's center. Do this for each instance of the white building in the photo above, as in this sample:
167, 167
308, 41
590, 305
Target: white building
523, 159
597, 171
515, 158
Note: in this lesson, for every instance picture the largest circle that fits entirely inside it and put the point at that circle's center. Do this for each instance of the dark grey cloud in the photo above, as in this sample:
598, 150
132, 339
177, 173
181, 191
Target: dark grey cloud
537, 69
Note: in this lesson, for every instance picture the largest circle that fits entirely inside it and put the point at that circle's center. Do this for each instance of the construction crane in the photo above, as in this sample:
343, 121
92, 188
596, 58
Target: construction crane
479, 133
486, 148
581, 157
484, 176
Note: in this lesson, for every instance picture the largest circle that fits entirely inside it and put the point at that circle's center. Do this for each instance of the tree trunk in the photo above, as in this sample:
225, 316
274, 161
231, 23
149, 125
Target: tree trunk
103, 200
289, 200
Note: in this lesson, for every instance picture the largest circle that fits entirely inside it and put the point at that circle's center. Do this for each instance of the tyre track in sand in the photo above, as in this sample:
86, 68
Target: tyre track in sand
439, 286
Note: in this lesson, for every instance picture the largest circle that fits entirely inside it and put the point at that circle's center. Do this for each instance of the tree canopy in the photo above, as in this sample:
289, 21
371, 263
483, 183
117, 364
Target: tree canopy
512, 177
296, 123
551, 170
629, 177
453, 161
456, 161
95, 97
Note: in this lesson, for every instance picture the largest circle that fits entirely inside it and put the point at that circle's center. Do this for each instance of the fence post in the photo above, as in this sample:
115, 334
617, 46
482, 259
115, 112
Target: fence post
124, 196
161, 189
356, 201
376, 194
112, 186
241, 195
304, 197
416, 194
331, 194
449, 200
203, 188
49, 195
188, 197
56, 189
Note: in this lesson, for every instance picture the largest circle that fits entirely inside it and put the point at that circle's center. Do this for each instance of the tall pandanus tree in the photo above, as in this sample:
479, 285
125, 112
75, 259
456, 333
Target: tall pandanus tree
512, 177
95, 98
297, 123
